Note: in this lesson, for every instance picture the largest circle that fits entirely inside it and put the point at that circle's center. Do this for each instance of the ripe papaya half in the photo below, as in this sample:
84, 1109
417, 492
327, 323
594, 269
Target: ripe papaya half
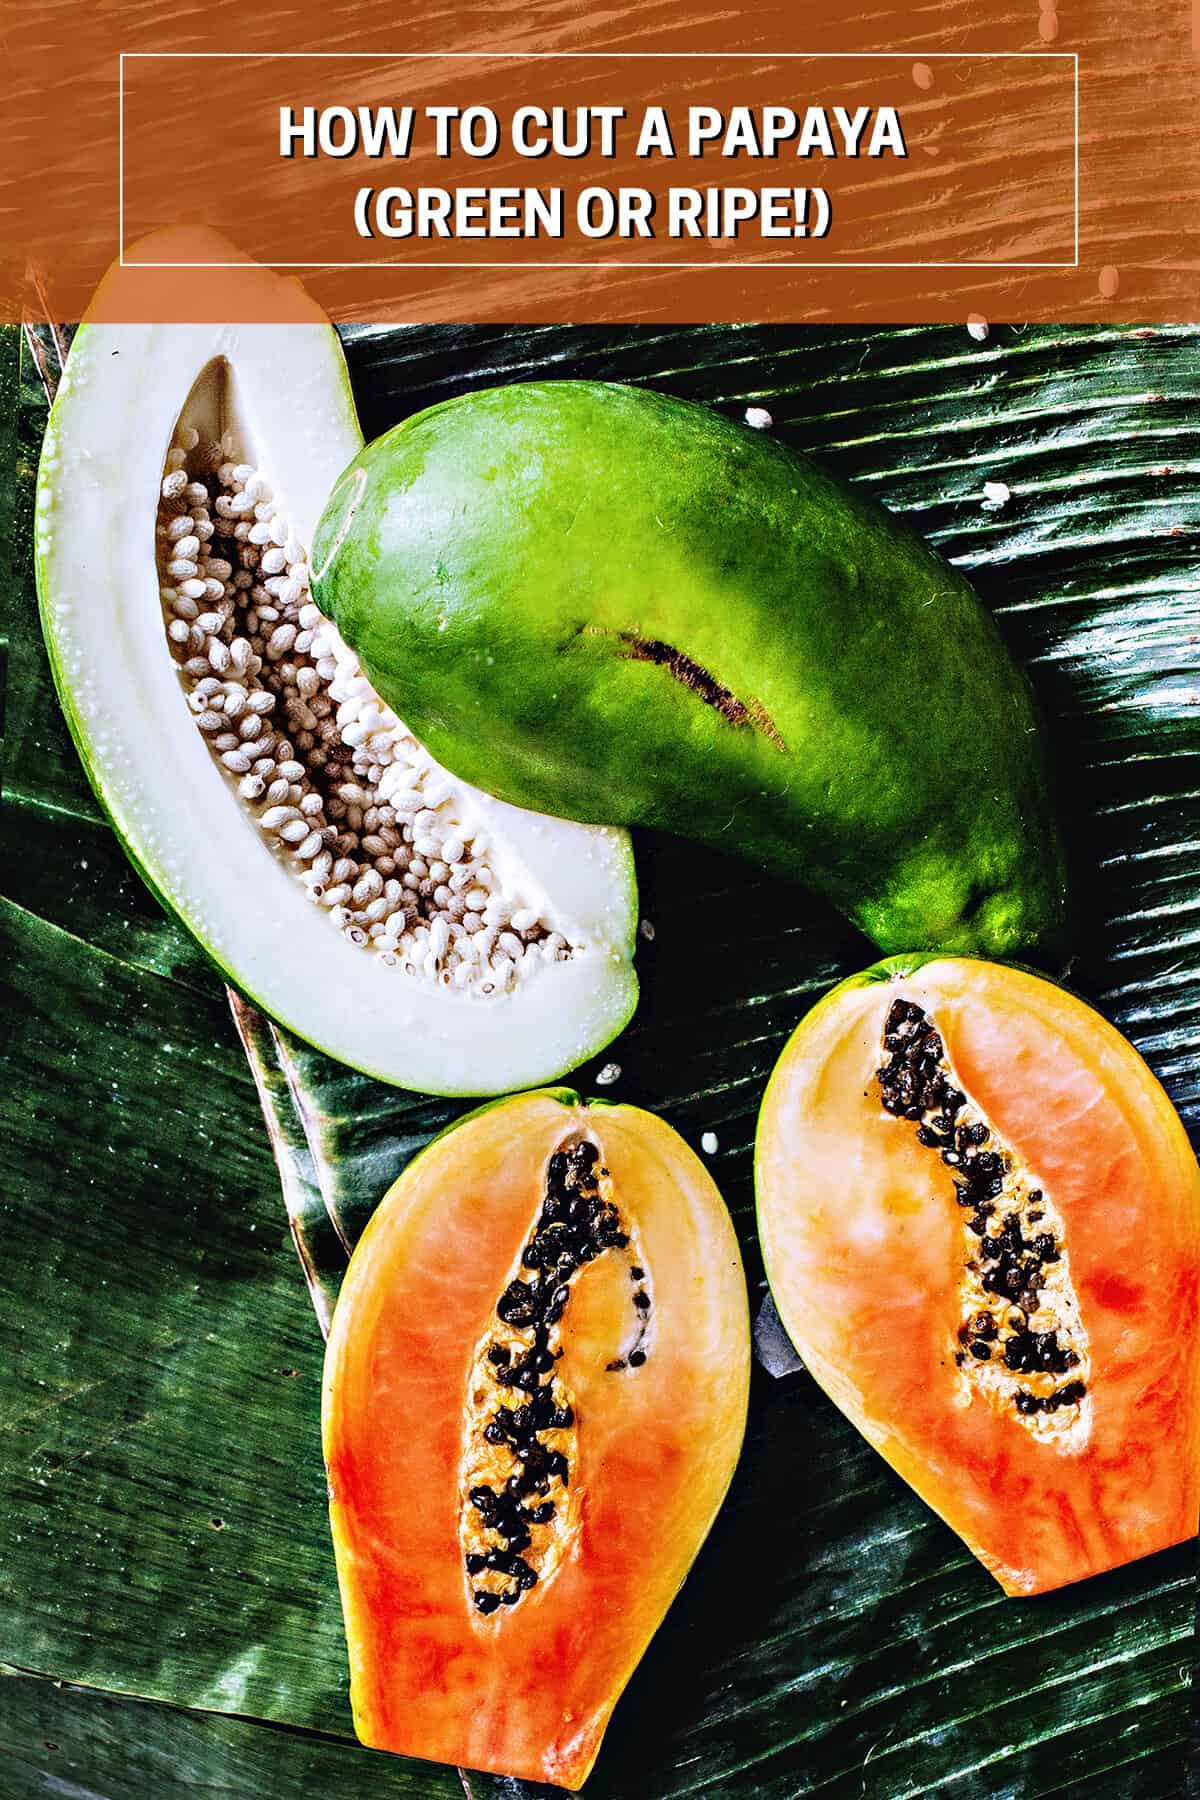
400, 919
980, 1217
535, 1394
617, 606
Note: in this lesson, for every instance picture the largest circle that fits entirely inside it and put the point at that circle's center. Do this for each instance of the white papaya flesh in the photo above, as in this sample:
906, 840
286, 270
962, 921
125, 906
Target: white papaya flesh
394, 916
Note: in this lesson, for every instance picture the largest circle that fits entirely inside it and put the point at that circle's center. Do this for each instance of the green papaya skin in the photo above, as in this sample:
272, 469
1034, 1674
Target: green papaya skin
600, 602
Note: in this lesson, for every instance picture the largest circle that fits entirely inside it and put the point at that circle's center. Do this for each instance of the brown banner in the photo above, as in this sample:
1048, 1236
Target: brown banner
546, 165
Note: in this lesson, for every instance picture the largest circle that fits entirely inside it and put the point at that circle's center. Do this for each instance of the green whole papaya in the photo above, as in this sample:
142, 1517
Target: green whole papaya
599, 602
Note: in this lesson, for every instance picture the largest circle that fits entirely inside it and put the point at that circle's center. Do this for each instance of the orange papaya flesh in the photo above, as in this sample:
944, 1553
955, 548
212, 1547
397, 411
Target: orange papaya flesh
502, 1571
980, 1218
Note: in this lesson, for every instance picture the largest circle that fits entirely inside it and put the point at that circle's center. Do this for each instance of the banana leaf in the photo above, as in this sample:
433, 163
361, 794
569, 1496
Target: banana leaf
74, 1743
834, 1638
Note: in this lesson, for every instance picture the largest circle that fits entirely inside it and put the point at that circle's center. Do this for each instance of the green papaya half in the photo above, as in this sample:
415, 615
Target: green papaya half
407, 924
619, 607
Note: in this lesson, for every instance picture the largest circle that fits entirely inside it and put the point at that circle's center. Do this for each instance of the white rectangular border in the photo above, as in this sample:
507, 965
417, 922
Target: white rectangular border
646, 262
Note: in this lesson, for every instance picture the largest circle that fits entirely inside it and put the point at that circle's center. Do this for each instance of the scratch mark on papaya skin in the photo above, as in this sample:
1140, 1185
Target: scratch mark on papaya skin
761, 718
698, 680
359, 485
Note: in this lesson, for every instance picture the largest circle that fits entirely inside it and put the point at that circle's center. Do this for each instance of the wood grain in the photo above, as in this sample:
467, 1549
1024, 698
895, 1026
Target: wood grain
1139, 152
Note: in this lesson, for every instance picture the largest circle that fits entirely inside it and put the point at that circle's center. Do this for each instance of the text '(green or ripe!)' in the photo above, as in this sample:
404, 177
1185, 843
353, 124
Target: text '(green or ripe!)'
602, 603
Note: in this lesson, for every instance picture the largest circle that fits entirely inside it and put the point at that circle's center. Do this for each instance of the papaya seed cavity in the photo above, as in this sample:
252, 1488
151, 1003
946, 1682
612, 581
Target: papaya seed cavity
368, 823
516, 1513
1020, 1338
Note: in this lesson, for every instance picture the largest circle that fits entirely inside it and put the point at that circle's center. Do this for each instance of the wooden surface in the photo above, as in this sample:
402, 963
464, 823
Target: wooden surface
1138, 138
